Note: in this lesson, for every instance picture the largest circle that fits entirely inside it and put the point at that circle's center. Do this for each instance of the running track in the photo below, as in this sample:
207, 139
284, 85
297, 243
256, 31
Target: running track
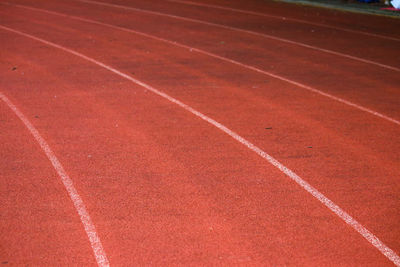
211, 132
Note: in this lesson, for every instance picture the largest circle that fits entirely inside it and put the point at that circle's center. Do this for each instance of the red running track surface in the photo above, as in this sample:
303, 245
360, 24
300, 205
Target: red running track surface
164, 187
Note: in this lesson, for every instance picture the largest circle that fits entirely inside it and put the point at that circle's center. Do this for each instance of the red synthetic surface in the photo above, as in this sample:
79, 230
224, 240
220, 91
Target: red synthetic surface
162, 186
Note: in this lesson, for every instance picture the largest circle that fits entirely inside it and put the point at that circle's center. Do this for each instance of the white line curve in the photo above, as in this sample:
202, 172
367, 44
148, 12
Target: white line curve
97, 247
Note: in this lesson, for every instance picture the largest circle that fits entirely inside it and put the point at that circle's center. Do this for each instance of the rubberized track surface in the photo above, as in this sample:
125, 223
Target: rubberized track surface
193, 133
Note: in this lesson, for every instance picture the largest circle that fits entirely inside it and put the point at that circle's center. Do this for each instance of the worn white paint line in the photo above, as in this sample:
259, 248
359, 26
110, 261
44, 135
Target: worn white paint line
246, 31
94, 239
218, 57
282, 18
370, 237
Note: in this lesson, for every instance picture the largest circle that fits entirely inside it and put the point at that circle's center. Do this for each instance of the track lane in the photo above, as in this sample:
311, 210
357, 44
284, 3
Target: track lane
157, 209
306, 39
235, 71
92, 40
101, 257
337, 83
360, 22
281, 18
149, 74
39, 225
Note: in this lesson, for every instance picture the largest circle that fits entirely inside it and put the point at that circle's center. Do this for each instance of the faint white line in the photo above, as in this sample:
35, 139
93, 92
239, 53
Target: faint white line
221, 58
246, 31
370, 237
94, 239
284, 18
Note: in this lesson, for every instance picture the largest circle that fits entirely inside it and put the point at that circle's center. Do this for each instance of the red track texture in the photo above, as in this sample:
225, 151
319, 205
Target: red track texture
162, 185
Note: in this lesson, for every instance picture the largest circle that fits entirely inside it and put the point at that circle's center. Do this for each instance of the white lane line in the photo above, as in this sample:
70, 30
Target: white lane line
94, 239
246, 31
370, 237
221, 58
282, 18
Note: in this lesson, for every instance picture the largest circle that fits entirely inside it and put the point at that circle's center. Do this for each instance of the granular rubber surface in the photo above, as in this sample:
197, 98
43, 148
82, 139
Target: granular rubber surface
162, 185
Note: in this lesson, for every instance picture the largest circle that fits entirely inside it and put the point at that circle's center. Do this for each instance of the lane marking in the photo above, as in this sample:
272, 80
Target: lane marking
309, 88
370, 237
94, 239
282, 18
246, 31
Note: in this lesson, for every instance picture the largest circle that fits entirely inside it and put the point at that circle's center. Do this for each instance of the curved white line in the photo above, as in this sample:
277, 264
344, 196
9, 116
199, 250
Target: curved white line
221, 58
283, 18
94, 239
246, 31
370, 237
